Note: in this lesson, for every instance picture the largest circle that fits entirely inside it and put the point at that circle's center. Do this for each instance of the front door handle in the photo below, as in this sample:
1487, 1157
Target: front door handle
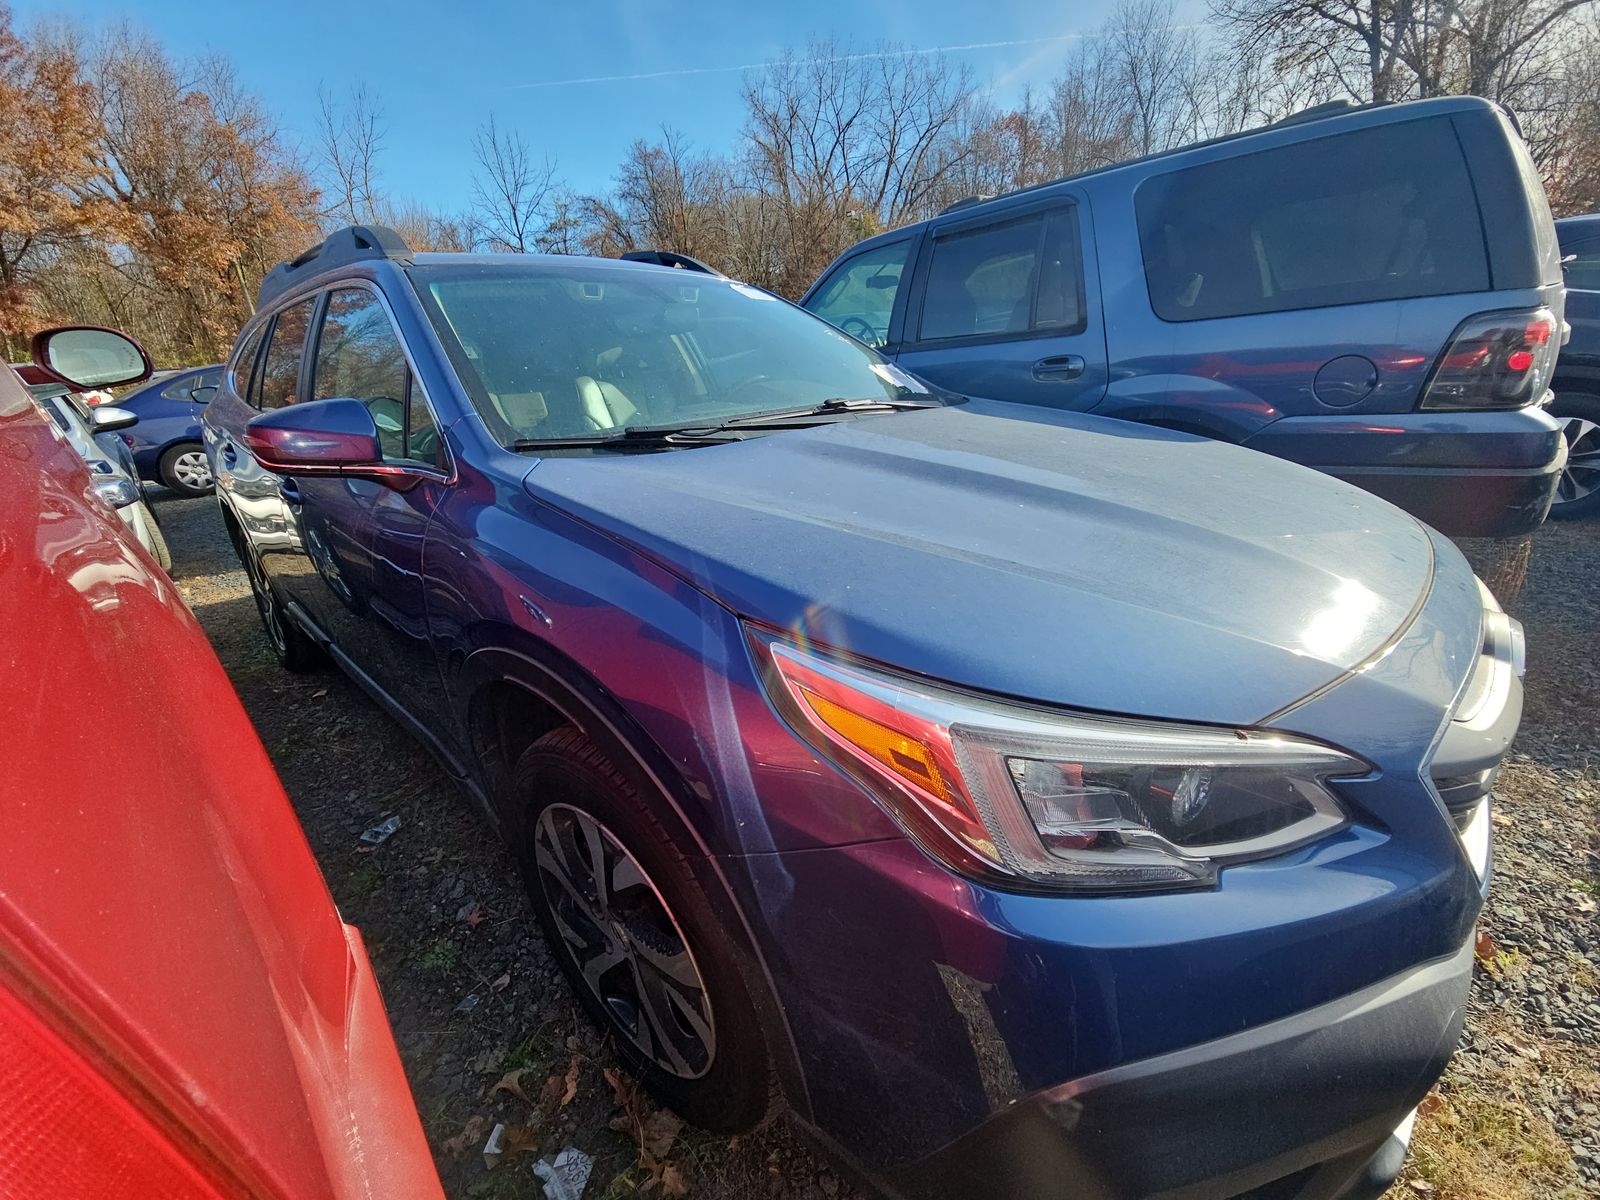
1058, 368
230, 456
290, 491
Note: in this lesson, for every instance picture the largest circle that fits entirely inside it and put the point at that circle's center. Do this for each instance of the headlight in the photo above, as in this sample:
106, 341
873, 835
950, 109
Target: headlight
118, 493
1061, 800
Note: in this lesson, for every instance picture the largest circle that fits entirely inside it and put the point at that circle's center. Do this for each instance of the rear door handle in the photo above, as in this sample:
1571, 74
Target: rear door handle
230, 456
1058, 368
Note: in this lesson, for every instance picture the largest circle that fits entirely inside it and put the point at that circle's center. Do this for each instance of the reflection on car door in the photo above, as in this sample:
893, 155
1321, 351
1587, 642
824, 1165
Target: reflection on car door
1007, 305
374, 609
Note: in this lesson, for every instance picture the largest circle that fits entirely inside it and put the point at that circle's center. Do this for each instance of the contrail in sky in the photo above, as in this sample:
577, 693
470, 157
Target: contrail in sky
757, 66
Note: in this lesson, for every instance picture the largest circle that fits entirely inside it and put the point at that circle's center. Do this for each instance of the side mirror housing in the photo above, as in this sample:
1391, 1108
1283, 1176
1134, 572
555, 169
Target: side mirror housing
87, 356
319, 437
108, 417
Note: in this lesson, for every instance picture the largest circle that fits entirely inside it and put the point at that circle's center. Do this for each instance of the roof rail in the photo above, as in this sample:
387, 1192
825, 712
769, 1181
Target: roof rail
671, 258
354, 243
966, 202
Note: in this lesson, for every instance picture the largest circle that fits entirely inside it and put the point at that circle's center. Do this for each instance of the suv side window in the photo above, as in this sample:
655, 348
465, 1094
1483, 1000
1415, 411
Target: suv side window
1380, 214
1020, 276
280, 370
244, 363
859, 296
359, 356
1583, 272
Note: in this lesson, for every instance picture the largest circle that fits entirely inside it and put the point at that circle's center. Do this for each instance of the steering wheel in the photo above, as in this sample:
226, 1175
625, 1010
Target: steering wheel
860, 329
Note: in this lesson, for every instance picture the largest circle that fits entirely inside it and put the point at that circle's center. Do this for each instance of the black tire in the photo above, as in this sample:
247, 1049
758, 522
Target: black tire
291, 645
158, 539
562, 778
175, 476
1578, 494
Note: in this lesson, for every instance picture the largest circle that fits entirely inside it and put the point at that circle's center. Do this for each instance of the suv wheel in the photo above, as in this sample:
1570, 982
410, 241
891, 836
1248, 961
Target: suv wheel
295, 651
637, 936
185, 470
1578, 492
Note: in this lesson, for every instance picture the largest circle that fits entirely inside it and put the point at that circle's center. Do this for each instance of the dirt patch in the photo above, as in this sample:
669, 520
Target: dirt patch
490, 1035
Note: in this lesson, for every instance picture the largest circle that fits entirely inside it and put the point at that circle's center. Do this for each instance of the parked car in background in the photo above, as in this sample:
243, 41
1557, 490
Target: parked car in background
1577, 381
1372, 292
182, 1012
166, 442
1042, 805
96, 434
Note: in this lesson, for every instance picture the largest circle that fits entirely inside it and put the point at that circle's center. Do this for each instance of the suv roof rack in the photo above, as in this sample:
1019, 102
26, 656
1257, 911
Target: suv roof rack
966, 202
354, 243
671, 258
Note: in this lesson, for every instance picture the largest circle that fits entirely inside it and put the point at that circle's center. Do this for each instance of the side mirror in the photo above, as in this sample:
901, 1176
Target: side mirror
320, 437
108, 417
87, 356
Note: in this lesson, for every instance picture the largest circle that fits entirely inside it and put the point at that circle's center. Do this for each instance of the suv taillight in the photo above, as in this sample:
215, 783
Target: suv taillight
1496, 360
69, 1131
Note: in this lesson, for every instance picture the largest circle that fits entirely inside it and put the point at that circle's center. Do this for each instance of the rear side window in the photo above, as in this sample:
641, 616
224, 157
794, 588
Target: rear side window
1583, 271
245, 361
1380, 214
280, 370
859, 297
1007, 279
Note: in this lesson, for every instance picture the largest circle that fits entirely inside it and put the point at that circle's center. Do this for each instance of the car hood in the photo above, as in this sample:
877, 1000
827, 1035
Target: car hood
1054, 557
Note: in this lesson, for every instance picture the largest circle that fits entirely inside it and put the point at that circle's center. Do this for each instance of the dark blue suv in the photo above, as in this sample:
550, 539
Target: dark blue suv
1374, 293
1036, 804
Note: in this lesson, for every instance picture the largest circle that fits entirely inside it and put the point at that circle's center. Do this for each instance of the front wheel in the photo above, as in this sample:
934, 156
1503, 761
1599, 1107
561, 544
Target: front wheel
637, 936
184, 469
1578, 492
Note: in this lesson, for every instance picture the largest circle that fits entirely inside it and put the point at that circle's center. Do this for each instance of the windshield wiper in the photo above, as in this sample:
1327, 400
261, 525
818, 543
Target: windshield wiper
639, 436
708, 432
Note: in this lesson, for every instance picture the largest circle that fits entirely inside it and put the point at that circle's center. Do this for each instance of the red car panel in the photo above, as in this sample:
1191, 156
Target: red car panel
180, 986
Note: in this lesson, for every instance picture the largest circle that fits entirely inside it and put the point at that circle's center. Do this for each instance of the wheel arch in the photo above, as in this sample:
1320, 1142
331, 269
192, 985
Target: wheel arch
511, 695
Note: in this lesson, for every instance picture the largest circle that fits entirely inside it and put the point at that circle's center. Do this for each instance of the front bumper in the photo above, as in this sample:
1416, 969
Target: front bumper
1485, 474
1309, 1103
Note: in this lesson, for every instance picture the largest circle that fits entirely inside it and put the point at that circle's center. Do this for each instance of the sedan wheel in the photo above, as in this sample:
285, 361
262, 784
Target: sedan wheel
628, 947
1578, 491
185, 470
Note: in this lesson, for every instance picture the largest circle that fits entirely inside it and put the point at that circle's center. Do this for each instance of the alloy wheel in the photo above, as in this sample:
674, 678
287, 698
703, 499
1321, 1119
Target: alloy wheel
628, 947
266, 604
1581, 478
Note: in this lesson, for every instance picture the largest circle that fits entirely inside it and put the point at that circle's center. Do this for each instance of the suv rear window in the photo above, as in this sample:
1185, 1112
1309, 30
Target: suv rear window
1379, 214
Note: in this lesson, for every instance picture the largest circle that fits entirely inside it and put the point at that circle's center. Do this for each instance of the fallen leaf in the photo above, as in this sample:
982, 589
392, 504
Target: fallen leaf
550, 1094
511, 1082
571, 1091
1429, 1104
1422, 1186
1484, 947
521, 1139
621, 1087
500, 985
1584, 904
475, 918
658, 1131
672, 1183
319, 693
471, 1133
1500, 818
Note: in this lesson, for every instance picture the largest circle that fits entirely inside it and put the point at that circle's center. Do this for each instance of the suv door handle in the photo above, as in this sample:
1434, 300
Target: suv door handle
290, 491
1058, 368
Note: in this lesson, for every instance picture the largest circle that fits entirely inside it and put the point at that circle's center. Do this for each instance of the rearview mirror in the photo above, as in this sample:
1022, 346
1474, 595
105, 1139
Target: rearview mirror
108, 417
880, 282
87, 356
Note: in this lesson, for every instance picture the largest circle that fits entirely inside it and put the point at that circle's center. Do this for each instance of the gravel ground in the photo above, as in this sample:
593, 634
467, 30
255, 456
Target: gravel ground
490, 1036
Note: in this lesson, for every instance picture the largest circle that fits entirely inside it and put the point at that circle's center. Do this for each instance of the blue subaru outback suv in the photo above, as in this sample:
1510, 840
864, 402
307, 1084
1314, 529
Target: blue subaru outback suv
1375, 293
1035, 804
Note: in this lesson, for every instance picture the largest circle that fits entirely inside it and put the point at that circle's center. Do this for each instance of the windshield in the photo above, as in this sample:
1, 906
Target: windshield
575, 348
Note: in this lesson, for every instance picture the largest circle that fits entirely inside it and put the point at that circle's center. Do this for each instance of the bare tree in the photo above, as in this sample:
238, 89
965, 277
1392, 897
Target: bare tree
350, 135
512, 195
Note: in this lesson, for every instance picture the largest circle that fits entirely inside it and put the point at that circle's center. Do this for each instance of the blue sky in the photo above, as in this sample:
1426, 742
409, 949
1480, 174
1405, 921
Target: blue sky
439, 70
